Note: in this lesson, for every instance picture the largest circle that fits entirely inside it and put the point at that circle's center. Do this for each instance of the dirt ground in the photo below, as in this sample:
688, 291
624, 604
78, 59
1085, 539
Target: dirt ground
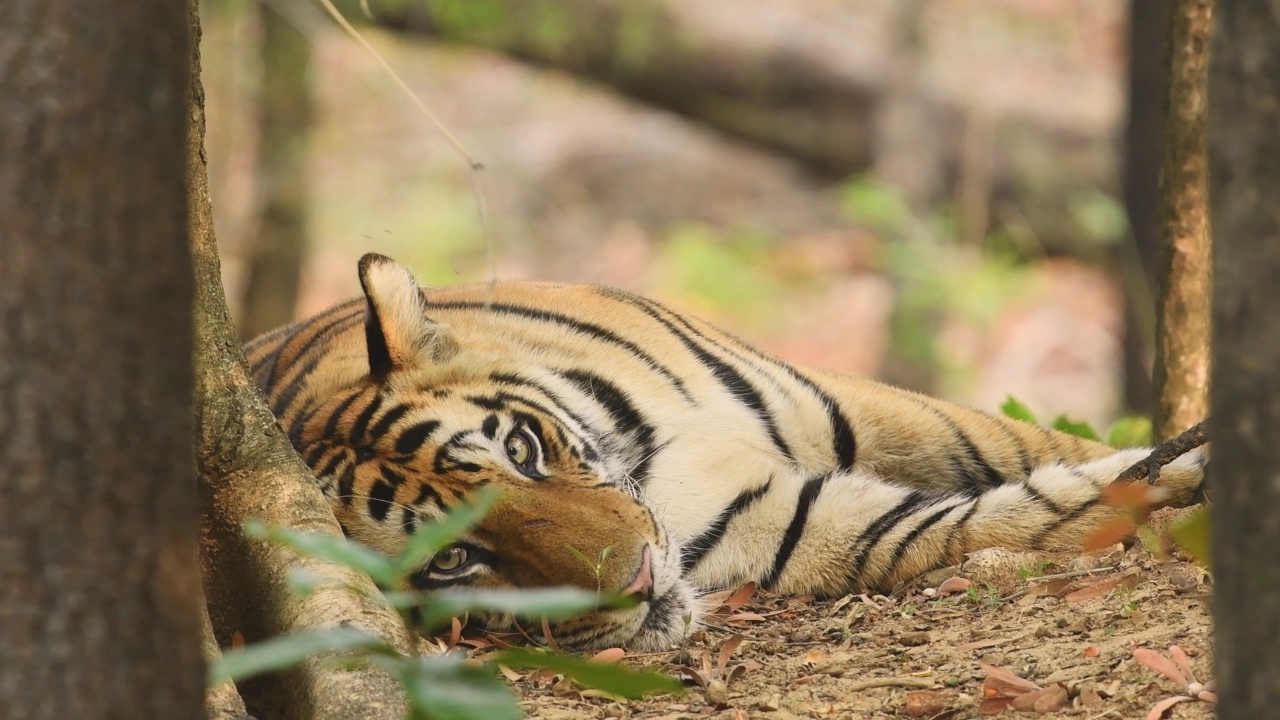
1069, 623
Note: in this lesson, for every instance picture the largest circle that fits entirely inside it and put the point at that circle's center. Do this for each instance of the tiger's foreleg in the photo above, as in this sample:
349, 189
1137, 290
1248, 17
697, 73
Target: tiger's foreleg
879, 534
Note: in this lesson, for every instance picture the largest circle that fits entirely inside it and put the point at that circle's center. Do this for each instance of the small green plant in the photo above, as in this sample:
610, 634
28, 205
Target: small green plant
446, 686
595, 566
1034, 571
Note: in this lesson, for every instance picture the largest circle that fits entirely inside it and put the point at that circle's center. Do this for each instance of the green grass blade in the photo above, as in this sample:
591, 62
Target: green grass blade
444, 688
609, 677
287, 651
430, 538
335, 549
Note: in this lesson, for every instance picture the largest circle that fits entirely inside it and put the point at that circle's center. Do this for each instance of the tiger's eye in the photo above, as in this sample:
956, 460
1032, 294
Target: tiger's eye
450, 558
518, 449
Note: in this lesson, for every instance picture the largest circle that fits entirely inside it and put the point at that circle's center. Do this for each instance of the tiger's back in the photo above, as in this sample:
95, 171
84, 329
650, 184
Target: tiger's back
728, 464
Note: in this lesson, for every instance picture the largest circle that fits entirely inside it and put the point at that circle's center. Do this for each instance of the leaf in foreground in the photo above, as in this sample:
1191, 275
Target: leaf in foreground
287, 651
445, 688
328, 547
1193, 532
611, 678
550, 603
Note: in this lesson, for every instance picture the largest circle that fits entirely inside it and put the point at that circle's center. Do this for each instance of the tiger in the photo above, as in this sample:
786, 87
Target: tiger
673, 457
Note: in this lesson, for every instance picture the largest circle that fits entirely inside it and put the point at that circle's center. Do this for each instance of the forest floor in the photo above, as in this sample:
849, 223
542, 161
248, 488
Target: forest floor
1067, 623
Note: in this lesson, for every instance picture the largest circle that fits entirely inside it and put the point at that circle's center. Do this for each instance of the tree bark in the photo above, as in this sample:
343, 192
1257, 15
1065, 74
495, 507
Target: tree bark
1144, 125
99, 582
1245, 175
247, 468
277, 253
1184, 275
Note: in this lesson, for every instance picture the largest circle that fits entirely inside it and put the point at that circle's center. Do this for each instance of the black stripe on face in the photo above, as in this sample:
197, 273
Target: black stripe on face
795, 531
490, 426
361, 424
414, 436
590, 329
876, 531
626, 418
555, 399
381, 497
444, 460
384, 423
700, 546
287, 394
335, 417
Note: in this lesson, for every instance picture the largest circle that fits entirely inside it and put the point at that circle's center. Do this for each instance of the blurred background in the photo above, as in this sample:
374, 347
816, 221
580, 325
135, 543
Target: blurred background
957, 196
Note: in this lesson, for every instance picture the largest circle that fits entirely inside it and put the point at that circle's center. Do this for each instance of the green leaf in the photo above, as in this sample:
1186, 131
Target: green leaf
328, 547
1131, 431
1194, 533
431, 538
551, 603
287, 651
1071, 427
445, 688
582, 558
609, 677
1014, 408
304, 581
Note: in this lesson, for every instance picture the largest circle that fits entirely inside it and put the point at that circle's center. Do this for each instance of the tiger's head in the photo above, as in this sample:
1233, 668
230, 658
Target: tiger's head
431, 423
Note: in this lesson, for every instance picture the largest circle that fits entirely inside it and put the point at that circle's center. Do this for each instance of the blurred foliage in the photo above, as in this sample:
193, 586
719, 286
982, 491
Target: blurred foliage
725, 274
1130, 431
936, 273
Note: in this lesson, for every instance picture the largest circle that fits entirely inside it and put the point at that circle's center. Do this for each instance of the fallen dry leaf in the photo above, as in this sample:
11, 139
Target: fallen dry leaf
1002, 683
1163, 706
744, 617
509, 674
726, 651
1109, 533
980, 644
1044, 700
740, 598
954, 585
926, 703
1126, 582
1160, 664
1091, 651
609, 655
1182, 661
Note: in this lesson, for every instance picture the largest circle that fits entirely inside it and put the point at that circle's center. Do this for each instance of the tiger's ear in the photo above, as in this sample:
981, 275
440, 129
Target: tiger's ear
397, 329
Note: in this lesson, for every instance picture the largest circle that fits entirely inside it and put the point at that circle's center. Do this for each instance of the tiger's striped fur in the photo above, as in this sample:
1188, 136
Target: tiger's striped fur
680, 454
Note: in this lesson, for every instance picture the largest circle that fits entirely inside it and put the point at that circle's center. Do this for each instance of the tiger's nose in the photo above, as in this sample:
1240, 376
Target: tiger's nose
642, 584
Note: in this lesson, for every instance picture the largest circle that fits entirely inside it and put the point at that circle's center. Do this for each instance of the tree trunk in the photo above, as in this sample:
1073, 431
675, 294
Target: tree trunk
99, 582
1183, 276
284, 120
1148, 89
247, 468
1245, 152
